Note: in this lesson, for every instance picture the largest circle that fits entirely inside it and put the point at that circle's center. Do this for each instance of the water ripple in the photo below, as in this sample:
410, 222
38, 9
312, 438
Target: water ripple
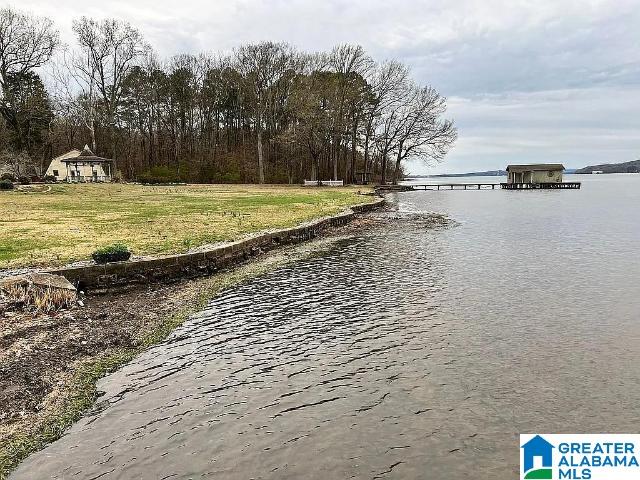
410, 352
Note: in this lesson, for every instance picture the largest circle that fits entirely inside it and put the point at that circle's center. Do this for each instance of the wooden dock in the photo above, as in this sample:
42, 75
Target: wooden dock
492, 186
456, 186
543, 186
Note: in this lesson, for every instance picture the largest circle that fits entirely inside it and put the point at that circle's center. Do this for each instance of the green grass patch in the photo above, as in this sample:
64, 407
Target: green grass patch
71, 221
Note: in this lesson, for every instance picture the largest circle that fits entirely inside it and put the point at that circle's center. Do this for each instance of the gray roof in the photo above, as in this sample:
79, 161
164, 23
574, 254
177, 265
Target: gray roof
535, 167
86, 156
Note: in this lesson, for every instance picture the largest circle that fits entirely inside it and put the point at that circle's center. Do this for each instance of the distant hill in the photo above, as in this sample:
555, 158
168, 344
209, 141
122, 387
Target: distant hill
626, 167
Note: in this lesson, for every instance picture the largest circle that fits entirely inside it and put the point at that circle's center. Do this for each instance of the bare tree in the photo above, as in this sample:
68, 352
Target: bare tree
109, 50
19, 164
262, 66
421, 130
351, 63
26, 42
393, 116
311, 104
202, 118
388, 82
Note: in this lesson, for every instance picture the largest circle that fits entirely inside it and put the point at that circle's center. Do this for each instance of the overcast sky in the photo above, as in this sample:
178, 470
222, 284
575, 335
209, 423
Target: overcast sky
526, 80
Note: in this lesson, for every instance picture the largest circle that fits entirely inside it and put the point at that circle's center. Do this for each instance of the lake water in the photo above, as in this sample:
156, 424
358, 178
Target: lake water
408, 352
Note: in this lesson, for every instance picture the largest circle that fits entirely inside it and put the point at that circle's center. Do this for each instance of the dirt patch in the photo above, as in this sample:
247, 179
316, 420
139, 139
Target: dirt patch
36, 350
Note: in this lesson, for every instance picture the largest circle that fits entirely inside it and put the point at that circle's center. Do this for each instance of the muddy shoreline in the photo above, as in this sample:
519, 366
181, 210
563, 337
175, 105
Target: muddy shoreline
49, 363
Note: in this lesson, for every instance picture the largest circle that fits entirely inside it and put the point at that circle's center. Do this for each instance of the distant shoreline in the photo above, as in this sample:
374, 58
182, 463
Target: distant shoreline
625, 167
492, 173
461, 175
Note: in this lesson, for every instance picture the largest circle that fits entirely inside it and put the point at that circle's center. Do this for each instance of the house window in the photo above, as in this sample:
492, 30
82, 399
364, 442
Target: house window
55, 173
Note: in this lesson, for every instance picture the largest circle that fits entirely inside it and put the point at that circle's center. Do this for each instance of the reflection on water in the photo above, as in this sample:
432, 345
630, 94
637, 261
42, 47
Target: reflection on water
409, 352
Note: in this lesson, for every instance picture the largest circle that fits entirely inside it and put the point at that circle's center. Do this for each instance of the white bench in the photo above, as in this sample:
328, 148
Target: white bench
324, 183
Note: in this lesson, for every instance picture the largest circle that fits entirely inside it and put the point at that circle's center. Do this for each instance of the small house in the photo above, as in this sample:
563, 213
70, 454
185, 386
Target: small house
81, 166
535, 173
58, 169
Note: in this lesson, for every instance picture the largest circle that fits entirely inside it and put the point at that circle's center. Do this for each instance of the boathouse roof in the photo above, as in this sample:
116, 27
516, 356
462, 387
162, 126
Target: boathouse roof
533, 167
86, 156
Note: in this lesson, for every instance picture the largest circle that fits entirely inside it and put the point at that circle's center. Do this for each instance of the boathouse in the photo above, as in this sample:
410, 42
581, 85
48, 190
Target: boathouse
535, 173
80, 166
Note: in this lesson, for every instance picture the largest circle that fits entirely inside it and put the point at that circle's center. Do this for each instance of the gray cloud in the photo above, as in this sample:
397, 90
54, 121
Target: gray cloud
555, 80
573, 126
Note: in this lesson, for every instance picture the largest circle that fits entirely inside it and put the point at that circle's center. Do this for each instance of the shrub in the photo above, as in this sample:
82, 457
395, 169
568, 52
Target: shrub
8, 176
117, 252
50, 179
159, 175
117, 177
24, 180
6, 185
230, 177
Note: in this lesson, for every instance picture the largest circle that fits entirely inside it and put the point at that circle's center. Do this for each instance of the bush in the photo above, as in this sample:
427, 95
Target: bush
117, 252
8, 176
230, 177
24, 181
117, 177
6, 185
50, 179
159, 175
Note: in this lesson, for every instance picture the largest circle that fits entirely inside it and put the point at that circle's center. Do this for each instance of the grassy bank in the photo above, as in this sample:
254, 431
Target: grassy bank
69, 222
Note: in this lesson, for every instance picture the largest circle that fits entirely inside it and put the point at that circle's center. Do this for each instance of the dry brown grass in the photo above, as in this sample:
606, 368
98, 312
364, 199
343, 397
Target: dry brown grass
71, 221
39, 299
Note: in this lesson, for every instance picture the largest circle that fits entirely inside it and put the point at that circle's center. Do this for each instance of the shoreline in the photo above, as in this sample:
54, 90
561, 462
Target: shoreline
51, 363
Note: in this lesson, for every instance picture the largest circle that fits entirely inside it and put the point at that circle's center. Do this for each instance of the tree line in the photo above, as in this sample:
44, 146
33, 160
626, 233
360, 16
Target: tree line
265, 112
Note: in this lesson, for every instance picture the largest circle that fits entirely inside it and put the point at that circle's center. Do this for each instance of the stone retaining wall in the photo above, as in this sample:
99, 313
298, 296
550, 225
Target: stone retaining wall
140, 271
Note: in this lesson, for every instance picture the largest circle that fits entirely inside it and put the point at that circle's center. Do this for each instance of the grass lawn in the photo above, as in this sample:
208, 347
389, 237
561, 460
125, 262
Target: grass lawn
69, 222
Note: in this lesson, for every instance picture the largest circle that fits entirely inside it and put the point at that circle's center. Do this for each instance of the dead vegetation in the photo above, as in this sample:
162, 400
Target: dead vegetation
36, 293
37, 299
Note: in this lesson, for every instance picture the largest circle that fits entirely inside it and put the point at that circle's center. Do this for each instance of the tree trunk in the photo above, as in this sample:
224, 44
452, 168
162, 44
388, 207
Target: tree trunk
397, 169
353, 154
260, 158
314, 168
92, 131
383, 179
366, 149
336, 152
